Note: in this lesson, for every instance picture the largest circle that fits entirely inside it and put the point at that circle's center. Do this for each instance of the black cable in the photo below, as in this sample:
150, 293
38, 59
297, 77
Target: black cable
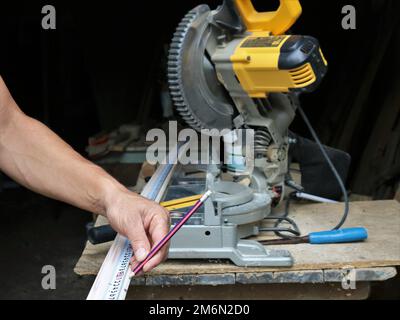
328, 160
277, 229
295, 229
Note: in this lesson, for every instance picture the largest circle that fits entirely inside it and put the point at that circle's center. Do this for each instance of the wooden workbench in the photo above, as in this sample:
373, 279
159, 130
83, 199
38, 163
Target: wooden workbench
319, 265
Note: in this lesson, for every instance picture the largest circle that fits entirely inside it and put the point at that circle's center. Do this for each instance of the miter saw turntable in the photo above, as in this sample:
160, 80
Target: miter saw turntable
231, 69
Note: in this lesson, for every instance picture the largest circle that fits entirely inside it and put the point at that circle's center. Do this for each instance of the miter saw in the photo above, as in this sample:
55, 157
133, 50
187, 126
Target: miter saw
229, 69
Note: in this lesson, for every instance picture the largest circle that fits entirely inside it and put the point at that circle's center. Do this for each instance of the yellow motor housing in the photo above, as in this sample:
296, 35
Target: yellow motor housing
266, 63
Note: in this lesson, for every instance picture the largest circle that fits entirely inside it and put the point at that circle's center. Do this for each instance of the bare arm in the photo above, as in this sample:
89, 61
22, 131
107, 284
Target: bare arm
37, 158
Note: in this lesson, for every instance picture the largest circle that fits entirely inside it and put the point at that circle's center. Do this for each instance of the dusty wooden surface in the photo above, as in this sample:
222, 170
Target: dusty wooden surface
330, 291
277, 277
382, 249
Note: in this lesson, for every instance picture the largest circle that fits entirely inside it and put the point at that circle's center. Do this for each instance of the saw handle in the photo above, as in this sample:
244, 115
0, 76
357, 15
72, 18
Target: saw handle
277, 22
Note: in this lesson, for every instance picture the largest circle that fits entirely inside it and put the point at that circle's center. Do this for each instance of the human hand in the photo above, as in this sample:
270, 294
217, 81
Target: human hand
143, 222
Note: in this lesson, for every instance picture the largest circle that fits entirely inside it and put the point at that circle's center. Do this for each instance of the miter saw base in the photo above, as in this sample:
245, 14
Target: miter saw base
205, 242
219, 229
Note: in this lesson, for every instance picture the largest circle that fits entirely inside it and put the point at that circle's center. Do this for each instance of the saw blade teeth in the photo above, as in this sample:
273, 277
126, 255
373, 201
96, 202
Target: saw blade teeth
173, 81
173, 58
177, 40
178, 34
174, 51
174, 69
173, 77
176, 94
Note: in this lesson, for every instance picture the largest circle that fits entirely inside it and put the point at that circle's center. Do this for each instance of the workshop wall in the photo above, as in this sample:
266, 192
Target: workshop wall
104, 65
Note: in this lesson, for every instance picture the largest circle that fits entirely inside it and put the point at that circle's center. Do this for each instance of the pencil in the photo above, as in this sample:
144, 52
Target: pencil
171, 233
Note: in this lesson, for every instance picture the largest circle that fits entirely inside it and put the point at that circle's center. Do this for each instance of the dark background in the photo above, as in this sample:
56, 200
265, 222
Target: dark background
105, 60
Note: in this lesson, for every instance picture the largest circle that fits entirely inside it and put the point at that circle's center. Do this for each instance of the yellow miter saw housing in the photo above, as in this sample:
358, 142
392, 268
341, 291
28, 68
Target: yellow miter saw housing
266, 61
265, 64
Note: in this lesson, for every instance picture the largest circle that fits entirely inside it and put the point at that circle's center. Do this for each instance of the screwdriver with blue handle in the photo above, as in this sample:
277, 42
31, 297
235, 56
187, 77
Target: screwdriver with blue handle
325, 237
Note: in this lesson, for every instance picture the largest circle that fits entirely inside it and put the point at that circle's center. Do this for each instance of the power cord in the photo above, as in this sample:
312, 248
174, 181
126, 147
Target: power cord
295, 229
277, 229
328, 160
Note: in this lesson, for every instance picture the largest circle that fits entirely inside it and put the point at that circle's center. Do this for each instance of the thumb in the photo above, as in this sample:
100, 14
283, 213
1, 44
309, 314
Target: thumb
139, 241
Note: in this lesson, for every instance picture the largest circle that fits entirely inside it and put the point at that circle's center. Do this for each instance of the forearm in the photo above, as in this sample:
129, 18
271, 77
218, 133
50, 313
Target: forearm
37, 158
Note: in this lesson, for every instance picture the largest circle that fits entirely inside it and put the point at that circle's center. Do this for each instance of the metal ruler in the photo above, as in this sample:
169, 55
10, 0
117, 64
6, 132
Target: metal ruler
112, 281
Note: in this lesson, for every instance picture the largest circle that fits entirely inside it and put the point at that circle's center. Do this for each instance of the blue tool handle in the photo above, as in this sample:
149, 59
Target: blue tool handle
339, 236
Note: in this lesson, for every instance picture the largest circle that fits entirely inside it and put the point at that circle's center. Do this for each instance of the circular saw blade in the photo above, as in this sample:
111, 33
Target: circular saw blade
198, 96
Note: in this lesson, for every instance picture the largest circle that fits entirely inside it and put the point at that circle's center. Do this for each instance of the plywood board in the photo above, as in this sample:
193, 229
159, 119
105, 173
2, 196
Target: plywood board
382, 218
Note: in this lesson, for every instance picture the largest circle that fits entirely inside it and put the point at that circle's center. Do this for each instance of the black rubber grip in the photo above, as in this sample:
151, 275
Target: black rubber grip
102, 234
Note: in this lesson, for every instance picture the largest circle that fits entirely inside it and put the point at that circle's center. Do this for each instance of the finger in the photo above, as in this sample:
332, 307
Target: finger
160, 257
134, 263
154, 262
159, 228
139, 241
138, 274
